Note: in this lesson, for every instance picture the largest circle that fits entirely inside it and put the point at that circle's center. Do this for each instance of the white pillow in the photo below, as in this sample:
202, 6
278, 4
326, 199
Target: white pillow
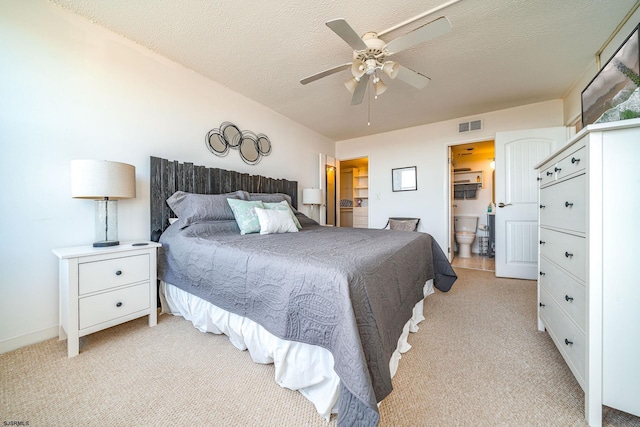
275, 221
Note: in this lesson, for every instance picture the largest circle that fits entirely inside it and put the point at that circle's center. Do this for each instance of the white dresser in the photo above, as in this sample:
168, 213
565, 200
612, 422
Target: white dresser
103, 287
589, 283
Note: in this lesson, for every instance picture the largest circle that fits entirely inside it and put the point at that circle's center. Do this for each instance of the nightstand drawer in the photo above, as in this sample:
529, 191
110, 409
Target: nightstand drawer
107, 306
105, 274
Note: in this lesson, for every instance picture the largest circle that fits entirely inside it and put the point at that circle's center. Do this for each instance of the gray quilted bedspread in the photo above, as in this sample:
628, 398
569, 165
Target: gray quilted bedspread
348, 290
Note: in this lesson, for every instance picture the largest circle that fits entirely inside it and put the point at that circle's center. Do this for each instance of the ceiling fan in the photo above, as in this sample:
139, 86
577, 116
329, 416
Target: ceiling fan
370, 57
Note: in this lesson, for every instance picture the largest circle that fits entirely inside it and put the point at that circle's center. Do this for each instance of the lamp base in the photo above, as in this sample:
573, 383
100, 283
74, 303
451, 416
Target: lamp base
105, 243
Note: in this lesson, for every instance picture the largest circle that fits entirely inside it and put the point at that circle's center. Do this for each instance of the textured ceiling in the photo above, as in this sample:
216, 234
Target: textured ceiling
499, 54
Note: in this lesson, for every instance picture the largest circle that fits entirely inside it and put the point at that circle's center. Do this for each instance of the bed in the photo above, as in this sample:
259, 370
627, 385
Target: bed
330, 307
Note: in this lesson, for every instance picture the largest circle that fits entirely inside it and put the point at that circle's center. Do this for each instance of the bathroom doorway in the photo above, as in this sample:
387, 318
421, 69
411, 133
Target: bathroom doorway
473, 196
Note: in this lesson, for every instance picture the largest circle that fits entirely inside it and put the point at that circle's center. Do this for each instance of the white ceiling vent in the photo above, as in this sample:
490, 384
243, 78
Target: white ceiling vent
470, 126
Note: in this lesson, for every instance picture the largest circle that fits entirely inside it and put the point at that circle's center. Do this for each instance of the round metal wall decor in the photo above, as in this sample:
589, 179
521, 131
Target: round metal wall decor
231, 134
251, 147
264, 145
216, 143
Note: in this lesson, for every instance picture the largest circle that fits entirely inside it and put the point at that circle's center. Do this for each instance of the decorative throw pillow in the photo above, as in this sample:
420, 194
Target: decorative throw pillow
275, 221
191, 208
272, 198
283, 206
403, 224
245, 214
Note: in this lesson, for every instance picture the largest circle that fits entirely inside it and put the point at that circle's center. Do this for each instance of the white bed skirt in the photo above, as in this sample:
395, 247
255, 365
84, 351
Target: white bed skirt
314, 378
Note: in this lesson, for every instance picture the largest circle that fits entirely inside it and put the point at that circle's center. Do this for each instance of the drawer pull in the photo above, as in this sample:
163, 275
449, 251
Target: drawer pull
567, 342
557, 169
119, 272
568, 204
568, 298
542, 206
539, 179
542, 273
542, 242
574, 160
542, 305
549, 173
568, 255
119, 304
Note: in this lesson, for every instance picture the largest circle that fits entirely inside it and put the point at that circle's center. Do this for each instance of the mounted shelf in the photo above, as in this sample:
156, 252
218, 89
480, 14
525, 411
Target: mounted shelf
469, 177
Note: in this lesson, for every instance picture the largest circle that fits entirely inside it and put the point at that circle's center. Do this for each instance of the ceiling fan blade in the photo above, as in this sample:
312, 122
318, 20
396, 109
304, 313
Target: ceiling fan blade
358, 93
412, 78
346, 33
325, 73
428, 31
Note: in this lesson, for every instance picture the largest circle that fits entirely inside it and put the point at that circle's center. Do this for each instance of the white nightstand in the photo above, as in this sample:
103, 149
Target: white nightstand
103, 287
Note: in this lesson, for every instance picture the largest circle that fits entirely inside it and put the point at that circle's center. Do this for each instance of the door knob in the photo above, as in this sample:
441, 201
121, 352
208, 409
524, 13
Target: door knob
502, 205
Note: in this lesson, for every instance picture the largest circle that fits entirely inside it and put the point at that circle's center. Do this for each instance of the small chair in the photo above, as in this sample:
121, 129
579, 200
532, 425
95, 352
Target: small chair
404, 224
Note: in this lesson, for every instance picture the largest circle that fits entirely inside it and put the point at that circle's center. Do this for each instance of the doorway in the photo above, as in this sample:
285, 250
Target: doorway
473, 196
331, 194
353, 192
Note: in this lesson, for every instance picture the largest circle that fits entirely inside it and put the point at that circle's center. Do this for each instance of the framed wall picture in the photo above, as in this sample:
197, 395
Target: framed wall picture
614, 92
404, 179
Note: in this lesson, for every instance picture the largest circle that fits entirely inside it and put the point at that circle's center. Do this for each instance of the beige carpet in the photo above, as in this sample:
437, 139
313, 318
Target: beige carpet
477, 360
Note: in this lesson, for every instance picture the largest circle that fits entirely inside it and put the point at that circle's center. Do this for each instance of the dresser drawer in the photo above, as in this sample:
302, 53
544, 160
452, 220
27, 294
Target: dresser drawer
566, 250
562, 205
565, 290
572, 163
548, 175
360, 212
99, 308
360, 222
565, 334
106, 274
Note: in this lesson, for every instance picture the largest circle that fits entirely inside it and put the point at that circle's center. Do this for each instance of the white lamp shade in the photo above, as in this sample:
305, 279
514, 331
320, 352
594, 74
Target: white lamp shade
358, 68
351, 84
380, 87
311, 196
391, 69
97, 179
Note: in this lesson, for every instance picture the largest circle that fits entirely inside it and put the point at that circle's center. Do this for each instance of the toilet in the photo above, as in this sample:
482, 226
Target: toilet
465, 227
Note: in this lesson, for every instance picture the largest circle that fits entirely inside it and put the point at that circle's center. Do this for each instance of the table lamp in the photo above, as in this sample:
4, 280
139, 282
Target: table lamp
106, 182
312, 196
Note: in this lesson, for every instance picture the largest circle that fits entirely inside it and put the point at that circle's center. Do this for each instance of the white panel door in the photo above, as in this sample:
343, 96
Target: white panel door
516, 252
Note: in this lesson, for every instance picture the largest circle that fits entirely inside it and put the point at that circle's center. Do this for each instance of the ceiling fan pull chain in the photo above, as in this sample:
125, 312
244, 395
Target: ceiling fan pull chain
369, 107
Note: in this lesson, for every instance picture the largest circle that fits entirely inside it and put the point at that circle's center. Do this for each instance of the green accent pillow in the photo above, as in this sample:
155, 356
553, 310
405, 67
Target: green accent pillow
245, 215
283, 206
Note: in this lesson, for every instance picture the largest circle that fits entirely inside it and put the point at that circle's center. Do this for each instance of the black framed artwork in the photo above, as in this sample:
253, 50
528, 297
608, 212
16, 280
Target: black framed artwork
614, 92
404, 179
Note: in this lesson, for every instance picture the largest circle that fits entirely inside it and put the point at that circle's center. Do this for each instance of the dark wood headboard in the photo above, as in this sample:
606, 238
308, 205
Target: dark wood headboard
167, 177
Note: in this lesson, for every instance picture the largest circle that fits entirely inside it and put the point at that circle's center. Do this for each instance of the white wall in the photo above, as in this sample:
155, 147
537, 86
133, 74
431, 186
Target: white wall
71, 89
427, 148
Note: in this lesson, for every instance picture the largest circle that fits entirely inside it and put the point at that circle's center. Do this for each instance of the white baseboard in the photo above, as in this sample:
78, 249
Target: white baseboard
28, 339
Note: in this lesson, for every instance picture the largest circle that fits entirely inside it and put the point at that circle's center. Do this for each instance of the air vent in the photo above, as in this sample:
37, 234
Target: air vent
470, 126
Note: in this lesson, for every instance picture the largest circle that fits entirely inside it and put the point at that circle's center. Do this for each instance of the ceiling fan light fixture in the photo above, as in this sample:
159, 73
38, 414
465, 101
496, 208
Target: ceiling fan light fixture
391, 69
358, 68
379, 87
351, 84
